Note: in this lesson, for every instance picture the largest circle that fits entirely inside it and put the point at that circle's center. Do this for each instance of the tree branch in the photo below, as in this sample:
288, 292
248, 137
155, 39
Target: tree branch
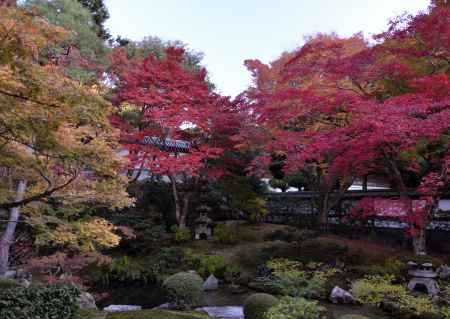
25, 98
37, 197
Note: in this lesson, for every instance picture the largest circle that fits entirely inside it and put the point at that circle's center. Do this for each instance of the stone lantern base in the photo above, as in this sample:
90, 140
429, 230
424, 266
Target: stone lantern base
429, 283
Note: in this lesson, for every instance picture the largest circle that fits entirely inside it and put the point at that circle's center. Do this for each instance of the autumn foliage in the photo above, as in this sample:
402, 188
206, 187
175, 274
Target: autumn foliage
161, 98
338, 109
58, 147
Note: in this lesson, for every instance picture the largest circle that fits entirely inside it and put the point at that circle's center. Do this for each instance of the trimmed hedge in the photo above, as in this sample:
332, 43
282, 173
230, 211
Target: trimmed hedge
256, 305
184, 290
48, 302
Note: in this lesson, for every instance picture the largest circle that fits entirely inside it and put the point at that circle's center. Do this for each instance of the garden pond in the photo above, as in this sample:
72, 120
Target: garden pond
224, 303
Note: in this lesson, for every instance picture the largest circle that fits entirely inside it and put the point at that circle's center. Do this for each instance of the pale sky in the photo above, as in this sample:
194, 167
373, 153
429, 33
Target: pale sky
229, 32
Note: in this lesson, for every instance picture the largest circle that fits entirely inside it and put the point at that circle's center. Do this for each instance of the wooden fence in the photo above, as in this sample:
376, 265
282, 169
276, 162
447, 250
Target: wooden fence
298, 208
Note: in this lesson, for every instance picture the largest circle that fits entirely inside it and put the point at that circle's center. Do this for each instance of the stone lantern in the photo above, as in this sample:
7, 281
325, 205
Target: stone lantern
203, 224
423, 276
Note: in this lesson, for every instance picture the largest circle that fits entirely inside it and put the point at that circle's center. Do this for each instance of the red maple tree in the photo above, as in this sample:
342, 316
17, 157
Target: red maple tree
299, 102
339, 109
160, 99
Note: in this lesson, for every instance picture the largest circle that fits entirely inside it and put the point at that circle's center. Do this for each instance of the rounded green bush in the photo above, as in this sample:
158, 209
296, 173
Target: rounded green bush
184, 290
295, 308
353, 317
256, 305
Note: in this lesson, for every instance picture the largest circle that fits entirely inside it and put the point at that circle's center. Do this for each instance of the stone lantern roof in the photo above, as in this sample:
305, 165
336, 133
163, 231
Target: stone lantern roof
425, 270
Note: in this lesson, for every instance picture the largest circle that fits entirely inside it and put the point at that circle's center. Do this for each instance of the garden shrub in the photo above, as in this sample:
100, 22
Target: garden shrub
167, 261
445, 289
122, 269
445, 312
181, 234
224, 234
379, 291
212, 265
256, 305
374, 289
295, 308
47, 302
206, 265
6, 283
291, 278
391, 266
148, 269
184, 290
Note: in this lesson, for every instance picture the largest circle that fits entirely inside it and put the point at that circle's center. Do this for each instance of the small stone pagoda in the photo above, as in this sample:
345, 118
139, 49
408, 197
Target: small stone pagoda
203, 224
423, 277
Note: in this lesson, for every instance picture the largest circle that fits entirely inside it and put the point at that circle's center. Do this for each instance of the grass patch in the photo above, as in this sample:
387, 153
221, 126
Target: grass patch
92, 314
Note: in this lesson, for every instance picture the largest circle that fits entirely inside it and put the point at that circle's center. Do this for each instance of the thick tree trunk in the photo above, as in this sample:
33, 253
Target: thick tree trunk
8, 236
181, 203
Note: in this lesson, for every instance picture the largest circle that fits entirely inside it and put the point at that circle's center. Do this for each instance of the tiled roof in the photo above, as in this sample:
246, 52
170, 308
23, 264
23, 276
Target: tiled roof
167, 143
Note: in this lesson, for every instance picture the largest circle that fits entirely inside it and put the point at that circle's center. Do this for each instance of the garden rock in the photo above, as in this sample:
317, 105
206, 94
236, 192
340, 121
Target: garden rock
24, 283
212, 283
11, 274
339, 295
23, 274
444, 271
87, 301
121, 308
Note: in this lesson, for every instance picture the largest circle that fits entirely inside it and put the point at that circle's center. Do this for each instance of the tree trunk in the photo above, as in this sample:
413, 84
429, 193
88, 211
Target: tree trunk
364, 182
178, 209
419, 240
419, 243
8, 236
184, 210
323, 213
323, 219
